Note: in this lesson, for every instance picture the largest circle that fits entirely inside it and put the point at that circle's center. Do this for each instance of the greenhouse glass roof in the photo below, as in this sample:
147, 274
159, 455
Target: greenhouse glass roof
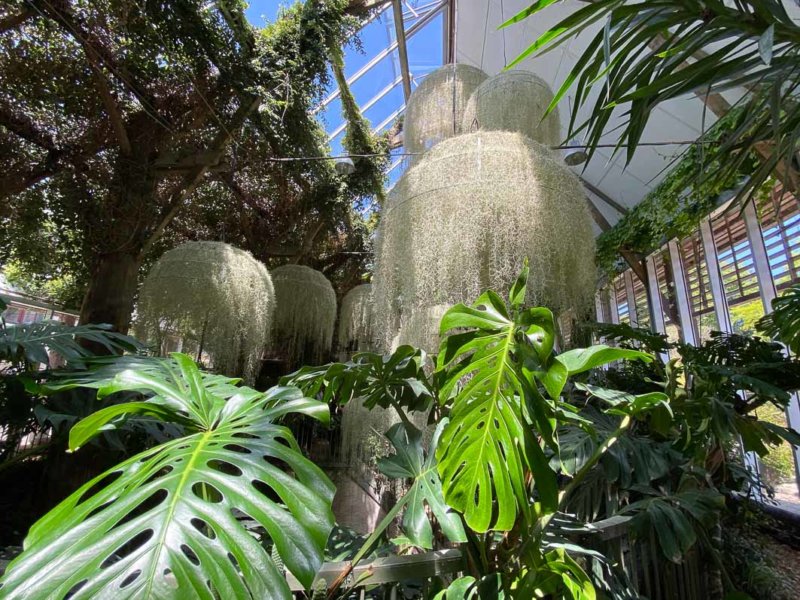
373, 66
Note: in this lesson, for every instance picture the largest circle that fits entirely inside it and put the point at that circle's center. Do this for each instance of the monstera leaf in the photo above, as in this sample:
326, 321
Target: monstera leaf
165, 523
31, 342
397, 379
409, 462
489, 444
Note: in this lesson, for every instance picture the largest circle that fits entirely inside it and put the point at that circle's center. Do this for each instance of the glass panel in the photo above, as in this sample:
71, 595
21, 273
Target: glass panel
738, 272
699, 287
777, 467
383, 112
780, 224
374, 38
669, 303
426, 49
383, 74
331, 115
623, 311
640, 299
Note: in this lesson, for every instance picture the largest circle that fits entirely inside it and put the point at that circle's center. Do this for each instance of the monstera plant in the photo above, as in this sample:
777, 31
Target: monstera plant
490, 474
172, 522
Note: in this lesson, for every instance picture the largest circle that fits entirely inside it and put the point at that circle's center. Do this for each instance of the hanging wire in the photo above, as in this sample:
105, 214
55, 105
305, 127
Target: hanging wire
558, 147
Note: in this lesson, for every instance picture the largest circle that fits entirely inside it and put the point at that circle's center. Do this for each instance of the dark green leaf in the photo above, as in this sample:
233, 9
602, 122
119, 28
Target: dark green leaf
409, 462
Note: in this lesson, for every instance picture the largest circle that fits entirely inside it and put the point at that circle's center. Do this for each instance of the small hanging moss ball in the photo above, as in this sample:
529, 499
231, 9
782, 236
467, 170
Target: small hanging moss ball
435, 111
355, 320
514, 101
305, 315
473, 209
209, 298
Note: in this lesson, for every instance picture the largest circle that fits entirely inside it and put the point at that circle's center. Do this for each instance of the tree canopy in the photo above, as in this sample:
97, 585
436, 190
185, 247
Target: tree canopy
127, 127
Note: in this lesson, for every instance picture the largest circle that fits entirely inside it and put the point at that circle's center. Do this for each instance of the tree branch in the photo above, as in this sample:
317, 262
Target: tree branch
110, 103
195, 176
18, 181
22, 125
56, 160
15, 20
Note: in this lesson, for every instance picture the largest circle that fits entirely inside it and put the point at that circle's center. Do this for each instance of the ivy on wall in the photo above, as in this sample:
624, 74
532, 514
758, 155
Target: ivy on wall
675, 208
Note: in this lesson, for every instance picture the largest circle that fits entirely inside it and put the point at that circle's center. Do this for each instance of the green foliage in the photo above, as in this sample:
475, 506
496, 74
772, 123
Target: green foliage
716, 390
410, 462
494, 460
47, 282
27, 345
119, 114
658, 50
359, 138
370, 379
164, 520
783, 323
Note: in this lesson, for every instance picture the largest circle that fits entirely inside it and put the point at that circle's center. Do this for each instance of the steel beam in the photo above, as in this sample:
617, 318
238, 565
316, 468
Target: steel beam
415, 28
715, 277
682, 296
402, 50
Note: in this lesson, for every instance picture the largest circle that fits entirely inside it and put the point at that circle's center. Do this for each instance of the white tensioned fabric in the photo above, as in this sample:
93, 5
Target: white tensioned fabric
305, 314
466, 216
355, 319
435, 110
215, 298
514, 101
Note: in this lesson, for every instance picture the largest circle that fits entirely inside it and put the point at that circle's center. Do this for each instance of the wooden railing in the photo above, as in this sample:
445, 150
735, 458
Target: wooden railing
640, 561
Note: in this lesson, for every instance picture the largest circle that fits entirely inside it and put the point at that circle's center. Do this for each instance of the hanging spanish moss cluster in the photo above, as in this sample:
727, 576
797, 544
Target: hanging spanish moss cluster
420, 328
355, 320
468, 213
213, 300
514, 101
435, 110
305, 315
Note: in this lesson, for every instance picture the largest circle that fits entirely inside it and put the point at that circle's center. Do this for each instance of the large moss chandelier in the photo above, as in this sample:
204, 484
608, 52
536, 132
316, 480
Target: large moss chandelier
305, 315
212, 300
435, 111
514, 101
355, 320
466, 216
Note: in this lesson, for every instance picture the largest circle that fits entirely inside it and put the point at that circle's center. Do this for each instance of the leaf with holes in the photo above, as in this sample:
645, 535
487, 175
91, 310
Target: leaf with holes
165, 523
490, 442
410, 462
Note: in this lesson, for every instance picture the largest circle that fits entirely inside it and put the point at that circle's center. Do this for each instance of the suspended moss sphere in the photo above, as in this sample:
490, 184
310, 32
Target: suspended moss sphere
514, 101
436, 108
305, 315
214, 298
466, 216
355, 319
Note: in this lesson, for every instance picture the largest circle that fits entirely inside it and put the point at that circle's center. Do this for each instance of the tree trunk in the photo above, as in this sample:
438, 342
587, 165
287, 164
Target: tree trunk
112, 287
